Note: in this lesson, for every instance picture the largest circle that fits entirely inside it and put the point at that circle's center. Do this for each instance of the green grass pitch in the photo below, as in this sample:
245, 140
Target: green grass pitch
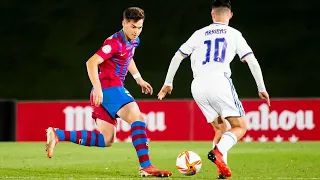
70, 161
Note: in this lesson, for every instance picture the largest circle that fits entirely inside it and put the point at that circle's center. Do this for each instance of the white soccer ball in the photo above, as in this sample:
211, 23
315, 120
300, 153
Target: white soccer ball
188, 163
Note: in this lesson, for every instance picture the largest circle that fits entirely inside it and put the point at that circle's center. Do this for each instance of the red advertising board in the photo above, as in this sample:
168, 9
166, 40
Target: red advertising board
286, 120
165, 121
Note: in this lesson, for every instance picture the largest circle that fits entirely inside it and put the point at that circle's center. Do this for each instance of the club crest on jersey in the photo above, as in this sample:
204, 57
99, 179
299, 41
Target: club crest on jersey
106, 49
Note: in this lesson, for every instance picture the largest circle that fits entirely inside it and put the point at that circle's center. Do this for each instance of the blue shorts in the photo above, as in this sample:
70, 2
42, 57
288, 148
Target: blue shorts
114, 98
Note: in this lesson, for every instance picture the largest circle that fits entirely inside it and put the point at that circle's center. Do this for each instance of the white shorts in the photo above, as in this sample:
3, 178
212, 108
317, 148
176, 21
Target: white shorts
216, 96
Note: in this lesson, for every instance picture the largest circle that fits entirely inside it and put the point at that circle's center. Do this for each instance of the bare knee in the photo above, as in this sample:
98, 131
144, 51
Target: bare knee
108, 143
238, 126
219, 125
239, 122
130, 113
136, 117
242, 124
140, 117
107, 130
108, 138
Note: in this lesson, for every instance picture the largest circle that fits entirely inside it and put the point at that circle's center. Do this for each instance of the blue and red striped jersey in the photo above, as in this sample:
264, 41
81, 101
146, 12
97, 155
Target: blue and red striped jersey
117, 53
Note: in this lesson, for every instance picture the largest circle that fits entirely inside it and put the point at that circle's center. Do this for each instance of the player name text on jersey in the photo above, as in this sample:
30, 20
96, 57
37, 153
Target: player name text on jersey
216, 31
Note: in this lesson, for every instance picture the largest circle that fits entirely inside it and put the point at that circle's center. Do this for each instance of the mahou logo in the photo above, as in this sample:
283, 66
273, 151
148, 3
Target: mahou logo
155, 122
79, 118
284, 120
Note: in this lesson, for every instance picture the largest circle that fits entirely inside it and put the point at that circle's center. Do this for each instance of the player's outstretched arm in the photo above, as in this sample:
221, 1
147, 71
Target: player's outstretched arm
257, 74
168, 84
92, 69
145, 86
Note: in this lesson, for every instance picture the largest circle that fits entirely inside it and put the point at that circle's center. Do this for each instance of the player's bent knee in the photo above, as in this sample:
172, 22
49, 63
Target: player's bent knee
108, 140
108, 144
132, 117
239, 122
136, 117
130, 113
140, 117
219, 125
243, 123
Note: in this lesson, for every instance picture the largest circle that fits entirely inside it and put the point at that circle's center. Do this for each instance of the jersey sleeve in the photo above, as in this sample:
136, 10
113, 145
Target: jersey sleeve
242, 47
188, 47
108, 49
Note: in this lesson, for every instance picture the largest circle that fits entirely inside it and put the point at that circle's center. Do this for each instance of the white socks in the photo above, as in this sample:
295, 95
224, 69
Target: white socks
225, 157
227, 140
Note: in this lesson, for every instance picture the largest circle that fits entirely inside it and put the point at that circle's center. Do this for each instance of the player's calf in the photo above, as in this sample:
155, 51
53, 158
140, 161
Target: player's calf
140, 142
104, 137
132, 115
219, 126
83, 137
108, 138
230, 138
238, 126
107, 130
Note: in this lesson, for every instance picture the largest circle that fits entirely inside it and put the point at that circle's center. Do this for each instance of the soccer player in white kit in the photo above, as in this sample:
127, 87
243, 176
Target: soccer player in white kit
212, 49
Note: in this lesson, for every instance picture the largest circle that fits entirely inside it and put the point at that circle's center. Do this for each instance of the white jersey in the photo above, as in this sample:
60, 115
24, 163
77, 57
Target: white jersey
212, 49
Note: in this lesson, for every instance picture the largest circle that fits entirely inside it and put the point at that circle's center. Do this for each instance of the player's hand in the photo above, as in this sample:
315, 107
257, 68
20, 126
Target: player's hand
97, 96
265, 95
146, 88
164, 90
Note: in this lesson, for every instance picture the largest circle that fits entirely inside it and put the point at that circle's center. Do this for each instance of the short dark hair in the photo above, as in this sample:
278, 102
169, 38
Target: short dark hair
133, 13
221, 3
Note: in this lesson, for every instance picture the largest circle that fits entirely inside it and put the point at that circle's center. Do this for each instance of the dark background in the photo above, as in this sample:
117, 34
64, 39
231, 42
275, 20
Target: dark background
45, 44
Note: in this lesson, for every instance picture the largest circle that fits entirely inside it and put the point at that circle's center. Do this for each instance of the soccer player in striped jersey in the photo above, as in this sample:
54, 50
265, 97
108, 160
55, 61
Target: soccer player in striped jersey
110, 99
212, 49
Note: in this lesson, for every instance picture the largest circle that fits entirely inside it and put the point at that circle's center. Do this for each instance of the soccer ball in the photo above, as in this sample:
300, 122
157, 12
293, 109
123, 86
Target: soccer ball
188, 163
